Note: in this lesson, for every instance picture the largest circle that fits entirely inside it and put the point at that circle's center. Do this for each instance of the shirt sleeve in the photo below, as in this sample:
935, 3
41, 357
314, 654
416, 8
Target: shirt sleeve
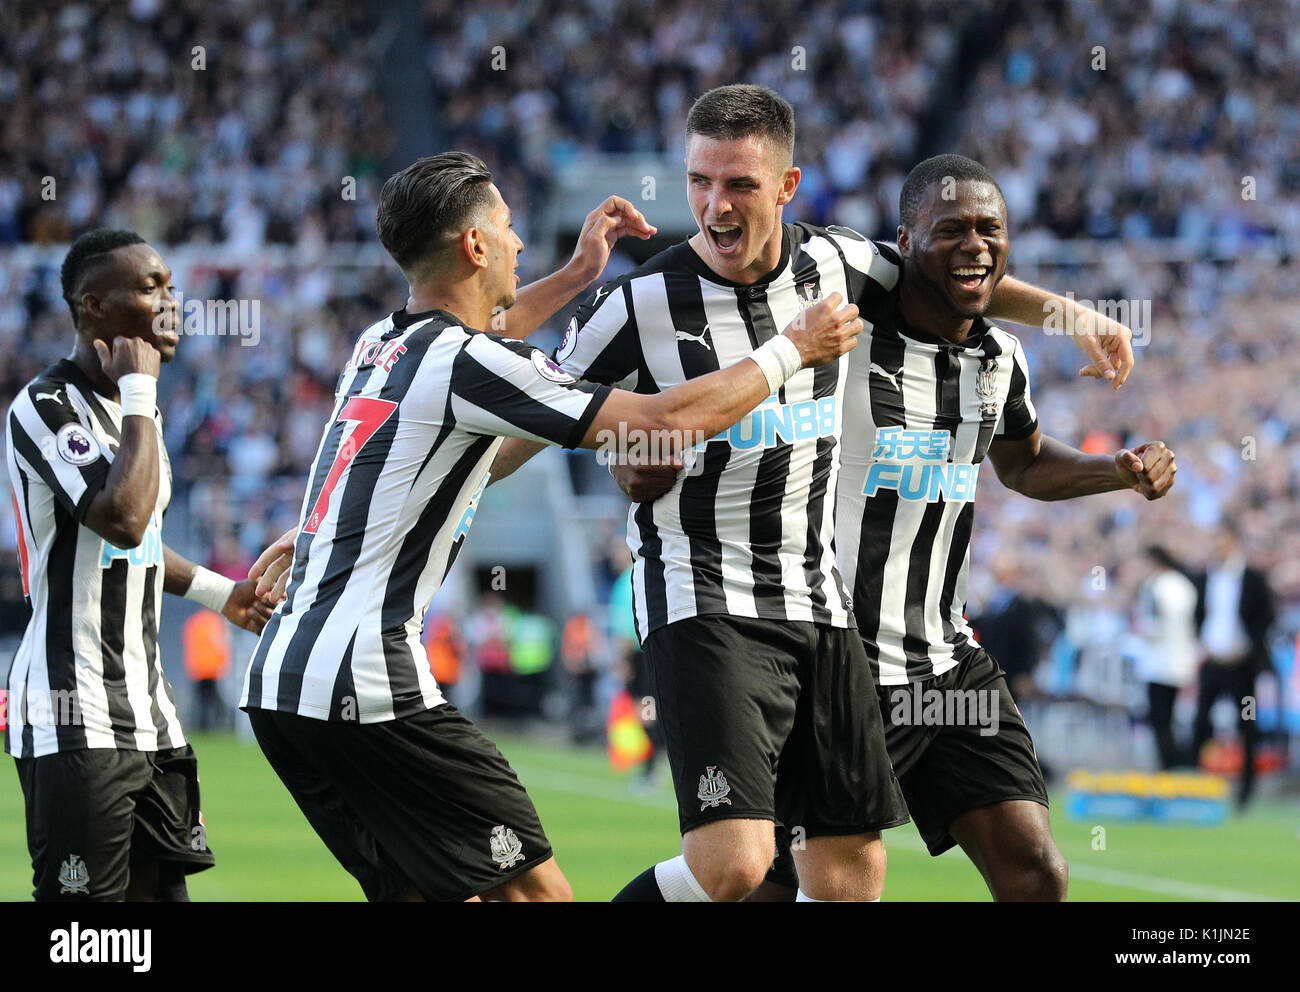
872, 270
1019, 418
501, 387
601, 343
54, 447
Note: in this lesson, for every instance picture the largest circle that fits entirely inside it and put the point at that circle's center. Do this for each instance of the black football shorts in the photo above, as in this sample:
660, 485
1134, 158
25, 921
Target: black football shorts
424, 803
92, 813
967, 760
772, 720
951, 765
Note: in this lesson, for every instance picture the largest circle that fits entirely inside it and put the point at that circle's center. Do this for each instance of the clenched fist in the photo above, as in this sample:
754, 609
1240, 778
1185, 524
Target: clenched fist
825, 331
1148, 468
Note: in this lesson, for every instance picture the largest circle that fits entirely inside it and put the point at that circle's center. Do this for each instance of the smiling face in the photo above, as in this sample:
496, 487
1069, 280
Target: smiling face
129, 295
736, 189
957, 248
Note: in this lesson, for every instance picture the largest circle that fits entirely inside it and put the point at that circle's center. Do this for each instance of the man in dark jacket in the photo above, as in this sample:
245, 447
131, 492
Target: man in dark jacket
1234, 611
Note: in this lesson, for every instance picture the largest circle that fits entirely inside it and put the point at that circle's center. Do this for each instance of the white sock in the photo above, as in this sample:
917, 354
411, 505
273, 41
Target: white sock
804, 897
676, 882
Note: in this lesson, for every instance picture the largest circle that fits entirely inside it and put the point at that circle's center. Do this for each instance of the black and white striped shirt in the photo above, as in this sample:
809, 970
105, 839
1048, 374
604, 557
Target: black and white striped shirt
87, 673
420, 411
748, 530
919, 415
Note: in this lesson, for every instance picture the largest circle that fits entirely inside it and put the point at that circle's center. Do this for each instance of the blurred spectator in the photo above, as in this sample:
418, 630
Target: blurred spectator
207, 660
1235, 611
1166, 622
1016, 627
630, 666
582, 653
447, 652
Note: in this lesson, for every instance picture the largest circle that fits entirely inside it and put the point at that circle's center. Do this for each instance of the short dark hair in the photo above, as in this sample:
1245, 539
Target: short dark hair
429, 199
933, 170
742, 110
86, 253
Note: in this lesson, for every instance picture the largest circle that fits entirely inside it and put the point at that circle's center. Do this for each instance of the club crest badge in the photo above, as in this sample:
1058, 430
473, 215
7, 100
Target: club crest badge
76, 445
74, 879
810, 296
985, 388
714, 788
507, 850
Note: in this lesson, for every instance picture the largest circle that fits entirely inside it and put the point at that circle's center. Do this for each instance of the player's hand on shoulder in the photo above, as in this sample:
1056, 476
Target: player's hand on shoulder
645, 483
1148, 468
128, 356
272, 569
615, 218
246, 609
825, 331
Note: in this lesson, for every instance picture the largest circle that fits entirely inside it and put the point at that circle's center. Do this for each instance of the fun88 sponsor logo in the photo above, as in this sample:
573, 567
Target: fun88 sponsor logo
772, 423
148, 552
915, 463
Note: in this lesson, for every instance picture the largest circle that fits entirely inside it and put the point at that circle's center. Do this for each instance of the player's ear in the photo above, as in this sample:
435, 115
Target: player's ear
904, 242
789, 183
474, 245
91, 306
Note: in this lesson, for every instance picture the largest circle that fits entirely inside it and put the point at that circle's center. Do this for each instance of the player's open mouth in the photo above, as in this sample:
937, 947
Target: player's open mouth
970, 277
725, 236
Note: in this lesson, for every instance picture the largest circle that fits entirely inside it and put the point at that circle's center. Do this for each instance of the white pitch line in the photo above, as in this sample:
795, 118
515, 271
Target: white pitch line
1165, 886
590, 788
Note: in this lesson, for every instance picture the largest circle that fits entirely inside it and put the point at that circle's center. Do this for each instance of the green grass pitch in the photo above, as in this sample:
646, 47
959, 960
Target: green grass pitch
604, 834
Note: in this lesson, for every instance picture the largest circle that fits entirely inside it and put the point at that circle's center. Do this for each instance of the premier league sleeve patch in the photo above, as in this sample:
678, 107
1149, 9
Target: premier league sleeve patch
569, 342
76, 445
549, 371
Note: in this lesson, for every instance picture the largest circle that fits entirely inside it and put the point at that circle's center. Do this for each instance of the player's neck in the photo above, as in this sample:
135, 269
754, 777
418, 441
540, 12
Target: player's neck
84, 357
930, 313
460, 300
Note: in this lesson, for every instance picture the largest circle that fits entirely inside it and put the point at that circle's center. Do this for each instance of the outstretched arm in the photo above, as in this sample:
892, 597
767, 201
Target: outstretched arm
711, 403
1107, 343
1044, 468
536, 302
238, 602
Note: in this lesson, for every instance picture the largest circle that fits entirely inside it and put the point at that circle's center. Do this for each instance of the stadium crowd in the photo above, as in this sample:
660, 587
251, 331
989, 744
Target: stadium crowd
1193, 98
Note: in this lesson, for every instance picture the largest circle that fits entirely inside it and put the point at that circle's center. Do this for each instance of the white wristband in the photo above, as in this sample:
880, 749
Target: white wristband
779, 359
139, 394
209, 588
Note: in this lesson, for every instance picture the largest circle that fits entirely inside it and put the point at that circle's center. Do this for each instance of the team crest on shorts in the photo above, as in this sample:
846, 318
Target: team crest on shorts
73, 876
507, 849
714, 788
